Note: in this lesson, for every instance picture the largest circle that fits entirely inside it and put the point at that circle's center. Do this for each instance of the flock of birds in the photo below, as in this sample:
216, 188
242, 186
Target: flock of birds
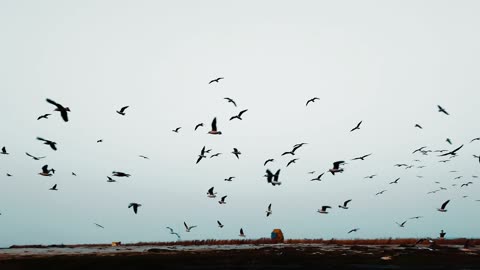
271, 177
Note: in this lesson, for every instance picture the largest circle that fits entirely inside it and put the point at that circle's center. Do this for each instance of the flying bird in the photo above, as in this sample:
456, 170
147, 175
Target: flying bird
395, 181
188, 228
269, 210
357, 127
215, 155
440, 109
231, 101
9, 175
381, 192
448, 141
122, 110
370, 176
120, 174
222, 200
135, 207
99, 141
176, 130
174, 233
45, 116
324, 209
442, 208
54, 187
417, 217
63, 110
236, 153
4, 151
292, 161
336, 167
344, 206
273, 178
362, 157
267, 161
46, 171
354, 230
144, 157
312, 100
214, 130
198, 125
111, 180
220, 225
34, 158
52, 144
475, 139
229, 179
418, 126
202, 155
239, 116
74, 174
216, 80
401, 224
98, 225
318, 178
241, 233
419, 149
453, 153
210, 193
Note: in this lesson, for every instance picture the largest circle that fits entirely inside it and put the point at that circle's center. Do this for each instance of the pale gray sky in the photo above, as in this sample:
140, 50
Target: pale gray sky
388, 63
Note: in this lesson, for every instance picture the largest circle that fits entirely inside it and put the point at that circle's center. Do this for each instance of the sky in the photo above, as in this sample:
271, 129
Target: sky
386, 63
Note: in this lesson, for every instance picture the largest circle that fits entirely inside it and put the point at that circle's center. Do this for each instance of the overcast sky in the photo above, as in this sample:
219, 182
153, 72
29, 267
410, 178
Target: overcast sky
388, 63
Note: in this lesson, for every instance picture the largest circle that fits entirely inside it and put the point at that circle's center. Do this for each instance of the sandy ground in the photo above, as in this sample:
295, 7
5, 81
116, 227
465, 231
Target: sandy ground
273, 256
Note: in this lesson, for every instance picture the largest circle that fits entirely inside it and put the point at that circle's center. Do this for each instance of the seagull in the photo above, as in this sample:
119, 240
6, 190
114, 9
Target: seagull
362, 157
418, 126
188, 228
419, 149
442, 209
4, 151
210, 193
220, 225
354, 230
312, 100
453, 153
466, 184
172, 232
46, 171
43, 116
214, 128
99, 141
444, 161
229, 179
198, 125
231, 101
268, 160
52, 144
370, 176
9, 175
215, 155
111, 180
135, 206
269, 210
344, 206
98, 225
395, 181
222, 201
381, 192
35, 158
324, 209
120, 174
236, 152
176, 130
448, 141
292, 161
273, 178
312, 172
74, 174
400, 165
216, 80
144, 157
336, 167
202, 155
417, 217
475, 139
239, 116
318, 178
122, 110
241, 233
63, 111
440, 109
357, 127
401, 224
54, 187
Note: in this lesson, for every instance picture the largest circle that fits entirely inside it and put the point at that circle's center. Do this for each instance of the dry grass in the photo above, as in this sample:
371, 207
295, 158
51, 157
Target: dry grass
262, 241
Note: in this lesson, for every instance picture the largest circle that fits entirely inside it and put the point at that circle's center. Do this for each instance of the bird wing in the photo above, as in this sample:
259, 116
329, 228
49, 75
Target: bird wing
346, 202
242, 112
184, 223
276, 176
198, 160
199, 125
210, 191
336, 164
445, 204
219, 223
214, 124
60, 107
45, 169
64, 115
269, 207
241, 231
29, 155
451, 152
124, 108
